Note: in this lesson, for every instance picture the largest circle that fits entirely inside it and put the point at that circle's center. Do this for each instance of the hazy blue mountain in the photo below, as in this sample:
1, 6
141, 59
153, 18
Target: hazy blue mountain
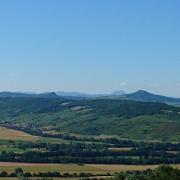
78, 95
33, 95
149, 97
12, 94
73, 94
140, 95
118, 93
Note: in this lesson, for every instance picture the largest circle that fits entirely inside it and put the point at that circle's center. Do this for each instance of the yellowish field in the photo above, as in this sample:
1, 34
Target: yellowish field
74, 168
11, 178
35, 167
120, 168
55, 178
9, 134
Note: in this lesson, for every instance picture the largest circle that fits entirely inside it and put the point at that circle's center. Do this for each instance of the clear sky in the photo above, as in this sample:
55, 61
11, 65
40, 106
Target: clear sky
94, 46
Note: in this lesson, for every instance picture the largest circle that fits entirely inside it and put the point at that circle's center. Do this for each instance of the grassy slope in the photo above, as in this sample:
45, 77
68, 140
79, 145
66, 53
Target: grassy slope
128, 119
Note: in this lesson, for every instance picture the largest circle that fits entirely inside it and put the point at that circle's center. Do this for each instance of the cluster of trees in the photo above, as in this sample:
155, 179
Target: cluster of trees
161, 173
94, 153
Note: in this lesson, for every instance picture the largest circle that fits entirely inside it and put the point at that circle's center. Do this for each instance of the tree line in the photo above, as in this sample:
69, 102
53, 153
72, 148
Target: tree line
92, 153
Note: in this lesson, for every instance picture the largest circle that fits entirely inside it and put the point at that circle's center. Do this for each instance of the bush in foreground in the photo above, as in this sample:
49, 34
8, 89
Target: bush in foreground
164, 172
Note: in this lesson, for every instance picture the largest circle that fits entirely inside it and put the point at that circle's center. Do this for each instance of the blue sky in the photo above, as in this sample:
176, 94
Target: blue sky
93, 46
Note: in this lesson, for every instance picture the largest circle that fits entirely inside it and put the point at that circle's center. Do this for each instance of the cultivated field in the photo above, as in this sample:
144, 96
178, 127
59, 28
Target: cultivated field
9, 134
73, 168
120, 168
35, 167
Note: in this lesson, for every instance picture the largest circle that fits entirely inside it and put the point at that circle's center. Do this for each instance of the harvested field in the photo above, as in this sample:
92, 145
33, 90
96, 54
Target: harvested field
38, 167
9, 134
74, 168
119, 168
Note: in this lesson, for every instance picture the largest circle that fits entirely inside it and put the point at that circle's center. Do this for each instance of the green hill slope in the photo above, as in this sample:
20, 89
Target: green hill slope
127, 119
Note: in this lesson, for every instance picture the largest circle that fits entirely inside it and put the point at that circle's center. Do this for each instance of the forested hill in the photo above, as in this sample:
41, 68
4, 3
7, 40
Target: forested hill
149, 97
127, 119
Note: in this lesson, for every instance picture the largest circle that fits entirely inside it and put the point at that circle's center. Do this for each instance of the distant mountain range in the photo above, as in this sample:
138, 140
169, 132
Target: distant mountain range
30, 95
136, 96
149, 97
78, 95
